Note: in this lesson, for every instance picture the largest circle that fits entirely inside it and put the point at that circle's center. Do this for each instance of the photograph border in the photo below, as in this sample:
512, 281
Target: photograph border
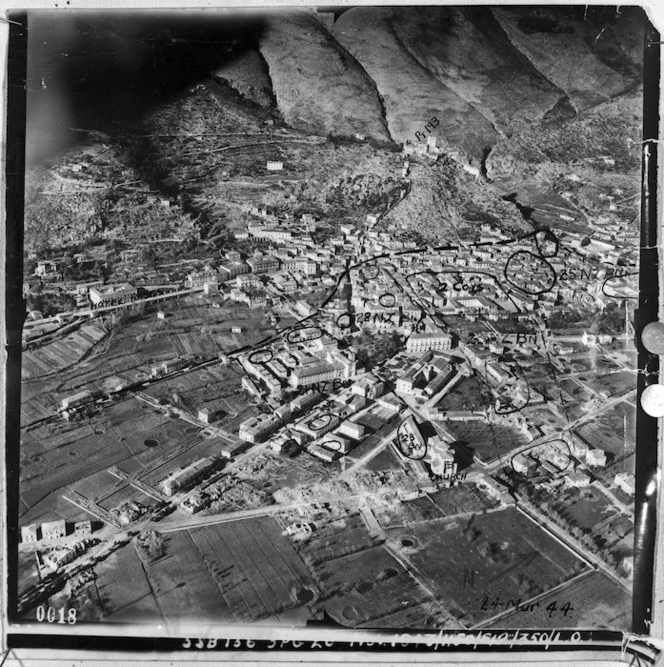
648, 610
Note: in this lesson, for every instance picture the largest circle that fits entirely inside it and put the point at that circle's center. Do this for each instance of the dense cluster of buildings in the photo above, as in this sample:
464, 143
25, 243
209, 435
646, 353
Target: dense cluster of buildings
571, 456
428, 375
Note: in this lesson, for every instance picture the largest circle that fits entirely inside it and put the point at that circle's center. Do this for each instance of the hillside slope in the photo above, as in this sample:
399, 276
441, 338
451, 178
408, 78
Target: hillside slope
319, 87
468, 51
248, 74
578, 163
562, 49
411, 94
224, 176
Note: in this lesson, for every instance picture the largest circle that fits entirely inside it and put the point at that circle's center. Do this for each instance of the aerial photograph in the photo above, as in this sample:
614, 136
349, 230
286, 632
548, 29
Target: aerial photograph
329, 318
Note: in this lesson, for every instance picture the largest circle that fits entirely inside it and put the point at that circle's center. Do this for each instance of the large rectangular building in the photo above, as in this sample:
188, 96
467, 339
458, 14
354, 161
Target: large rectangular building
308, 375
112, 295
232, 269
423, 342
187, 477
75, 400
266, 264
52, 530
258, 428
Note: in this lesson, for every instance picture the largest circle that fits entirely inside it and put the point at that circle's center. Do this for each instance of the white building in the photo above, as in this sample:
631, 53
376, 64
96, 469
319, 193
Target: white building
578, 478
596, 458
52, 530
75, 400
29, 533
423, 342
257, 428
625, 482
524, 464
112, 295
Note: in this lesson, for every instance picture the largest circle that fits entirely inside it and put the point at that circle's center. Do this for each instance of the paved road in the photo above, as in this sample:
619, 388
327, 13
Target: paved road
202, 521
372, 453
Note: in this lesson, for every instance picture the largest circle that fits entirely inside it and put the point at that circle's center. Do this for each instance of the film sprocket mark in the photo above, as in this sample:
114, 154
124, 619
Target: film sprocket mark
333, 387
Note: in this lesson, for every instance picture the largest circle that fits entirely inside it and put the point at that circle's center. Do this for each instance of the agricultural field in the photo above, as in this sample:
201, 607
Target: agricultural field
128, 599
485, 440
51, 507
132, 435
500, 554
99, 486
136, 342
339, 537
62, 352
371, 589
255, 571
83, 454
192, 390
189, 450
591, 601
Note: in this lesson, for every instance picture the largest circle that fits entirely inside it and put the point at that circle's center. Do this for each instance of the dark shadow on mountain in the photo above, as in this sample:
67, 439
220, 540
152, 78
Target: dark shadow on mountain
92, 70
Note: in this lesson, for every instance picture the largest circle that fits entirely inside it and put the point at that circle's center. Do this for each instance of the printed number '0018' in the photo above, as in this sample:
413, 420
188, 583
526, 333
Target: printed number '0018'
51, 615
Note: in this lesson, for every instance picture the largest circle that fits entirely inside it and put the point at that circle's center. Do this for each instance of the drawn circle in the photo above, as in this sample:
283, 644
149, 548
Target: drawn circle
346, 323
260, 357
567, 453
546, 242
407, 444
326, 418
514, 271
387, 300
652, 337
317, 333
652, 400
334, 445
616, 296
